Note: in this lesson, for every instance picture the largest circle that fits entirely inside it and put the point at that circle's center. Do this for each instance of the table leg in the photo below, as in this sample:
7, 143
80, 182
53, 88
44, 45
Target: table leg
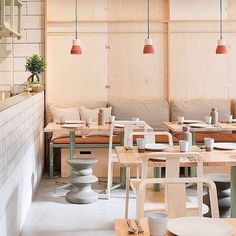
157, 174
72, 144
233, 192
192, 169
123, 176
127, 192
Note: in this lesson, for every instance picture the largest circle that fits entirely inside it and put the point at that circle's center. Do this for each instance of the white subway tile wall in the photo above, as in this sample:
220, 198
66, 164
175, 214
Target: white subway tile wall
21, 160
32, 42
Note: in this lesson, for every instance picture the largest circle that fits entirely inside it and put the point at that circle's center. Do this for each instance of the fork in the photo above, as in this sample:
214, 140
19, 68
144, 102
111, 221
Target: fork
131, 229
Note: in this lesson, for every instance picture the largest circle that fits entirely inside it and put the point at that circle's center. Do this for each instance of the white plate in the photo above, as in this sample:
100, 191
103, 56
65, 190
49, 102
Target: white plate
119, 126
192, 121
156, 146
74, 122
225, 146
200, 226
199, 125
71, 126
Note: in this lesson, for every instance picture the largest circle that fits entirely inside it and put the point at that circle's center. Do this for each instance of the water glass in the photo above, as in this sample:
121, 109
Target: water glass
141, 142
157, 222
229, 119
111, 119
184, 145
208, 120
135, 119
88, 121
180, 120
209, 144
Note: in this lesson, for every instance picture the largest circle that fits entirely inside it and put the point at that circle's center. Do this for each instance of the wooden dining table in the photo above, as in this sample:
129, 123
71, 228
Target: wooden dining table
121, 227
132, 158
175, 127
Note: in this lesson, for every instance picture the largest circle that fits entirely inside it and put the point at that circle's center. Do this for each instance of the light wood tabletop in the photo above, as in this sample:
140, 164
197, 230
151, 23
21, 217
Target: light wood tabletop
132, 158
53, 127
222, 127
121, 227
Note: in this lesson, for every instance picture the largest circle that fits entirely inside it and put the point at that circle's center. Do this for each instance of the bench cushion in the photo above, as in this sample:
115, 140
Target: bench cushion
153, 112
197, 109
88, 140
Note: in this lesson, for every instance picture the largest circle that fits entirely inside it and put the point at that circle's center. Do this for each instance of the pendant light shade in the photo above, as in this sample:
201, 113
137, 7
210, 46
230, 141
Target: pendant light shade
76, 49
148, 47
221, 45
221, 48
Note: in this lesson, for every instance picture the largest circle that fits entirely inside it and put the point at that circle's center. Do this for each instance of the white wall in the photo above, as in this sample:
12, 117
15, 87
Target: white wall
13, 52
21, 160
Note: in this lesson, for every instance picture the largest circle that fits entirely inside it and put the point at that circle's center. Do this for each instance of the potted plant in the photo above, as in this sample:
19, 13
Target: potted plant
35, 65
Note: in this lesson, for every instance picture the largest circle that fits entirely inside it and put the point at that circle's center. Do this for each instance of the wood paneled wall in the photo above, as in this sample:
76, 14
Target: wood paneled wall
112, 66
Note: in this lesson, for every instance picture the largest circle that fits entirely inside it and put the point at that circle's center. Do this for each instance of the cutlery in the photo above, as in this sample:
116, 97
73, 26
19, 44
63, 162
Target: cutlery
131, 229
140, 229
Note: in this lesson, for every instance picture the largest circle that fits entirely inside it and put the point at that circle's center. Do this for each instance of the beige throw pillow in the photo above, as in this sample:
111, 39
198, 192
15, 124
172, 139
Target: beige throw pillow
93, 113
70, 113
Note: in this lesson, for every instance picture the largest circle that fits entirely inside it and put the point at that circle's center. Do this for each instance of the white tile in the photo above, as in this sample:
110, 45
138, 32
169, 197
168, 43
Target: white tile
32, 22
6, 64
35, 36
5, 50
19, 64
6, 77
25, 50
35, 8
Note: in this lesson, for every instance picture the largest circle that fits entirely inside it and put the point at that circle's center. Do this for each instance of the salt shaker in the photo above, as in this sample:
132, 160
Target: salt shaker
101, 117
215, 117
187, 135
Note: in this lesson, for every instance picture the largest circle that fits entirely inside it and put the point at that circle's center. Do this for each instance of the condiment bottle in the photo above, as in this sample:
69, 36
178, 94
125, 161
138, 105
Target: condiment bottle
187, 135
101, 117
215, 116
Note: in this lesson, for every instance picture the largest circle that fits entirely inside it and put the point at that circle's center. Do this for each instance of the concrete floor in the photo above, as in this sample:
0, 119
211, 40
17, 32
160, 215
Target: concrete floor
51, 215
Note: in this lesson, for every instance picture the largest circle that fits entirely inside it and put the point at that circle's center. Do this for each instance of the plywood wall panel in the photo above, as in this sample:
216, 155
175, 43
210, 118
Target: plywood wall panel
195, 70
88, 10
73, 78
132, 10
196, 9
133, 75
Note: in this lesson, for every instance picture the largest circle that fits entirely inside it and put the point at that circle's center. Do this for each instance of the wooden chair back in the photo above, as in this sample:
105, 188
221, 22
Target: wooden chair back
175, 193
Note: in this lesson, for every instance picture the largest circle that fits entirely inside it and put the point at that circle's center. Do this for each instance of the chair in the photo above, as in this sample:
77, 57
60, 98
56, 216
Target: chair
151, 138
175, 189
128, 127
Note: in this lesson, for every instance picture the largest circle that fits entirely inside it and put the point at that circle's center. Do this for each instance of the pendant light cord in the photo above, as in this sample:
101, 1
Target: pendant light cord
148, 19
76, 19
221, 19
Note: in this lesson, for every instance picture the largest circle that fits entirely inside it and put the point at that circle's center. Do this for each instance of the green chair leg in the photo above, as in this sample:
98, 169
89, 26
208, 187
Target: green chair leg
51, 160
157, 174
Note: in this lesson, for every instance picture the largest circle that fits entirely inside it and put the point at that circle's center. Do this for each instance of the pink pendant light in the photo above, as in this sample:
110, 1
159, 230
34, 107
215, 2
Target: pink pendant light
148, 47
221, 46
76, 49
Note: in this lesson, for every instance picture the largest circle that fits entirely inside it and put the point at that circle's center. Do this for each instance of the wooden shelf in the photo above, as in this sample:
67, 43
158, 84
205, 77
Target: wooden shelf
9, 29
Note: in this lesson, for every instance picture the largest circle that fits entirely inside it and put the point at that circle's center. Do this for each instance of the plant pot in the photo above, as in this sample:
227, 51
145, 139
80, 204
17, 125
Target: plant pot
34, 83
36, 87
